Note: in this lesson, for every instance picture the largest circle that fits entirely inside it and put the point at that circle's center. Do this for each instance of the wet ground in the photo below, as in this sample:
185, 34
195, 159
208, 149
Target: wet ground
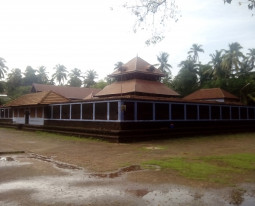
33, 179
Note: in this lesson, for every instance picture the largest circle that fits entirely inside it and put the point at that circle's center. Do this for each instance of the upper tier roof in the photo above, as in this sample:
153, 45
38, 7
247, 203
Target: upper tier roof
137, 65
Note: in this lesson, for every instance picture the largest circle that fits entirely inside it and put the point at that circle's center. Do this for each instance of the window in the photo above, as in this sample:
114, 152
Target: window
101, 111
235, 112
65, 113
161, 111
144, 111
39, 112
215, 112
191, 112
204, 112
32, 112
113, 111
243, 112
56, 112
87, 111
47, 112
177, 111
225, 112
251, 113
130, 111
76, 110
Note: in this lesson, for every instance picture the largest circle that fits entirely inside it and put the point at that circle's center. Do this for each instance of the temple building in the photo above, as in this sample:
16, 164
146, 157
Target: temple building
135, 106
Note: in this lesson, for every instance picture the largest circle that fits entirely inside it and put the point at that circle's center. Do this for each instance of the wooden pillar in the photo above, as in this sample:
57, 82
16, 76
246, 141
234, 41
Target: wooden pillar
135, 111
94, 111
81, 111
70, 111
108, 110
198, 113
185, 111
170, 112
153, 112
60, 111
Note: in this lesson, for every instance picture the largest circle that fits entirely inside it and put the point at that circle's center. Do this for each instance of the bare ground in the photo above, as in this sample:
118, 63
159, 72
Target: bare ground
90, 169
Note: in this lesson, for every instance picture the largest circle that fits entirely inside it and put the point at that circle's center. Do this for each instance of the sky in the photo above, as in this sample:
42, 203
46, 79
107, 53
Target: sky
97, 34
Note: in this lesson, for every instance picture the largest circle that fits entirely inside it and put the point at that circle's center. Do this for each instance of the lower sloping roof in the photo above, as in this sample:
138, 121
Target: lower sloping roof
209, 94
43, 98
66, 91
137, 86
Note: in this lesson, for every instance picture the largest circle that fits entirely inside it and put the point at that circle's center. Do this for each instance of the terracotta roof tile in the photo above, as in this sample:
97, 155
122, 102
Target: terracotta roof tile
137, 86
37, 98
213, 93
137, 65
66, 91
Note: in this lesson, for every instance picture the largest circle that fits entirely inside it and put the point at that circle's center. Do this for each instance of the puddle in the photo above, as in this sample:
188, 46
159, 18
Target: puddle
58, 164
11, 162
77, 187
120, 172
8, 159
138, 192
154, 148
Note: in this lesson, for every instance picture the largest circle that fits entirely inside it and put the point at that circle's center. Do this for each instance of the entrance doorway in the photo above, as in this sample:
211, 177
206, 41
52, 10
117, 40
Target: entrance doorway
27, 117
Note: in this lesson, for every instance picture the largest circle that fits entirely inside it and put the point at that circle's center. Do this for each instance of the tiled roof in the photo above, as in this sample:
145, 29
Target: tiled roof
137, 65
137, 86
213, 93
37, 98
68, 92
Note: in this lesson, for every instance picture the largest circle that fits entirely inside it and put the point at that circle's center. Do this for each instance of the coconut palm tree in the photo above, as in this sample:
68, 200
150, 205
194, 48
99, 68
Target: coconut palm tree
251, 58
90, 77
163, 63
60, 74
194, 50
118, 65
3, 67
42, 76
75, 80
216, 62
232, 59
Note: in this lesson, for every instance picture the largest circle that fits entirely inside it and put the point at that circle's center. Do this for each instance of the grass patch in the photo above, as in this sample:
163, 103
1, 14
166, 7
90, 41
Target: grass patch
239, 161
218, 169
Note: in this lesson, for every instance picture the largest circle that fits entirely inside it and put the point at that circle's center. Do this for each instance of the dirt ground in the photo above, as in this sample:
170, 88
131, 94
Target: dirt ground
45, 169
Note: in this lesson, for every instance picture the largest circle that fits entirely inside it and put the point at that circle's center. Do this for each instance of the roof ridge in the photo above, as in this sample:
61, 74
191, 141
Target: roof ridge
45, 96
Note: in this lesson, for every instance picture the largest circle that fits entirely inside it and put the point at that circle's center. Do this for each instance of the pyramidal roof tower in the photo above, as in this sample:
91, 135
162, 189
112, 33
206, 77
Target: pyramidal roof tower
137, 77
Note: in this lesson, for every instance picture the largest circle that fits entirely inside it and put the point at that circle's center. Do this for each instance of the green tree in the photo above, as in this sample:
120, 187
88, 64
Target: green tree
90, 76
42, 77
75, 80
216, 62
163, 63
29, 76
194, 50
251, 58
118, 65
60, 73
204, 73
164, 67
100, 84
232, 59
14, 81
186, 81
3, 67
